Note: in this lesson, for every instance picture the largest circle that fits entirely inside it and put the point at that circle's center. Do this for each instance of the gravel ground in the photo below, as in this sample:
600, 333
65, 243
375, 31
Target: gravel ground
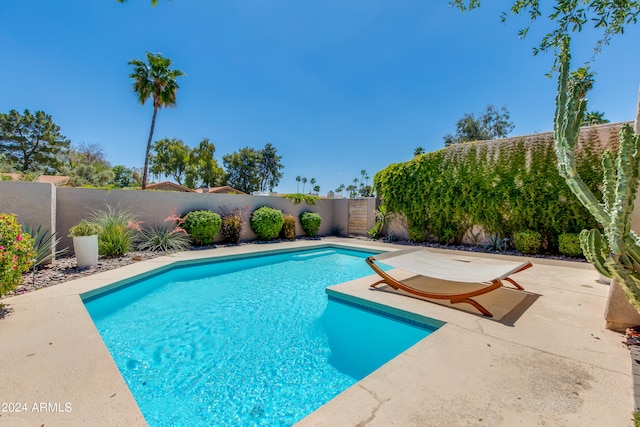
65, 269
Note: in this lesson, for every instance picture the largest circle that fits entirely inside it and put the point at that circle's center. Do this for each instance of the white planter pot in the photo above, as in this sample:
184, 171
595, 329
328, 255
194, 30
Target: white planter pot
86, 250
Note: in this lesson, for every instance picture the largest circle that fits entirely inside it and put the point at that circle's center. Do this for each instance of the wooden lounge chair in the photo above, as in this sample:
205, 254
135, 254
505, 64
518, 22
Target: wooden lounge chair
425, 263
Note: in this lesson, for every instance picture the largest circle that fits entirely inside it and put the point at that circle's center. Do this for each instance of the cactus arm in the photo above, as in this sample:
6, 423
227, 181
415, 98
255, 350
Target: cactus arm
616, 253
609, 179
567, 121
596, 250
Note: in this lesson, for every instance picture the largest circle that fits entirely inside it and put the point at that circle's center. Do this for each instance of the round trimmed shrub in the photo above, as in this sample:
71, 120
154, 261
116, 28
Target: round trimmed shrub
202, 226
527, 242
289, 227
569, 244
267, 222
310, 222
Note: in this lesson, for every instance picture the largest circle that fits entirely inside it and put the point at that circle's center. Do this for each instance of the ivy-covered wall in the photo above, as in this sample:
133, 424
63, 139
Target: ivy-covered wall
503, 186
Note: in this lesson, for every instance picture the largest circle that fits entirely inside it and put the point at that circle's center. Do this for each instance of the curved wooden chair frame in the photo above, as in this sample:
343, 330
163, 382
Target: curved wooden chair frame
453, 298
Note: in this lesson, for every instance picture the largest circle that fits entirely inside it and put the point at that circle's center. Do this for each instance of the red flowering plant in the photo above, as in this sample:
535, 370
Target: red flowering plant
168, 237
16, 252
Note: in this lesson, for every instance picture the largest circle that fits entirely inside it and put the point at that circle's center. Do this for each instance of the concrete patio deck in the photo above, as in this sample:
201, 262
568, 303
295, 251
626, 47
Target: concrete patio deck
544, 360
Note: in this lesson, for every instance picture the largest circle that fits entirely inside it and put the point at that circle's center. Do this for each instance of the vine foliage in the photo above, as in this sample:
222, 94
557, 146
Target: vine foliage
504, 186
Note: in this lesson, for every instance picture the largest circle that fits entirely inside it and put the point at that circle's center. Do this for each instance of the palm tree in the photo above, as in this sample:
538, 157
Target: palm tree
298, 179
312, 181
304, 181
154, 80
418, 151
594, 118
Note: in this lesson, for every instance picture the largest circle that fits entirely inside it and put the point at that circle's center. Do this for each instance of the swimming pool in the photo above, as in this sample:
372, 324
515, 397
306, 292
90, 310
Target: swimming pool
252, 341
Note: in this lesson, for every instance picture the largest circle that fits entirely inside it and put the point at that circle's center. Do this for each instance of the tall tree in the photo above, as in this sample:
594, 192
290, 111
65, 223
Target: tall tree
207, 170
594, 118
298, 179
491, 124
304, 181
154, 79
86, 165
170, 157
243, 169
122, 176
32, 142
269, 168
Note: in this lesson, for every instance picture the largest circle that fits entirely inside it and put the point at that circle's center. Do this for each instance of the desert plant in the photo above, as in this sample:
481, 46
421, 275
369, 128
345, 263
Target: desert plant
16, 252
232, 227
267, 222
288, 227
310, 222
527, 242
202, 226
43, 245
569, 244
336, 230
616, 252
116, 230
162, 238
84, 228
382, 216
497, 243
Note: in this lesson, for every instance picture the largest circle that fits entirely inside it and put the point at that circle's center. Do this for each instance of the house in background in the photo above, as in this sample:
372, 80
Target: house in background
48, 179
172, 186
169, 186
225, 189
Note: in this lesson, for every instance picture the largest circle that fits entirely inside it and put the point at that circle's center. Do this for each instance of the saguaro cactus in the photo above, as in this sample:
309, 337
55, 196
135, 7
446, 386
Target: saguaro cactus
616, 253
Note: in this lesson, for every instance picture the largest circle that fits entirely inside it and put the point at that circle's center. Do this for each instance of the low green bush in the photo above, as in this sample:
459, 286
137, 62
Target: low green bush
115, 241
202, 226
310, 222
231, 228
267, 222
417, 234
117, 228
569, 244
288, 227
16, 252
84, 228
527, 242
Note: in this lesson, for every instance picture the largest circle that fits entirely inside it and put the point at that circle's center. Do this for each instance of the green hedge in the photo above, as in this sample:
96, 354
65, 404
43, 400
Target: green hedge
569, 244
527, 242
310, 222
504, 186
202, 226
267, 222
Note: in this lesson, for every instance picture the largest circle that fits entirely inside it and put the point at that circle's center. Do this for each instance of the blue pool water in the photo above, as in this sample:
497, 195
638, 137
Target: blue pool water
251, 341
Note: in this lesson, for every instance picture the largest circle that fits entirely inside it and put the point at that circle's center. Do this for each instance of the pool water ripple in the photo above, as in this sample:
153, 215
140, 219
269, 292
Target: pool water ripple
235, 346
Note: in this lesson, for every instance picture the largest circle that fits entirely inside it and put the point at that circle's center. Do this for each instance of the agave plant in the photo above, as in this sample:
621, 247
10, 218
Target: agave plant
162, 238
43, 245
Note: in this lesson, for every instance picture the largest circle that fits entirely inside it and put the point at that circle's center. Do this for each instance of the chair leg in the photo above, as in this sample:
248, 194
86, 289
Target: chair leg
514, 283
480, 308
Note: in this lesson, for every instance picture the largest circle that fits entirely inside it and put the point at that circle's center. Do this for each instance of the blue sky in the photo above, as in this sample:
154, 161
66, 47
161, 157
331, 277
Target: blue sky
336, 86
